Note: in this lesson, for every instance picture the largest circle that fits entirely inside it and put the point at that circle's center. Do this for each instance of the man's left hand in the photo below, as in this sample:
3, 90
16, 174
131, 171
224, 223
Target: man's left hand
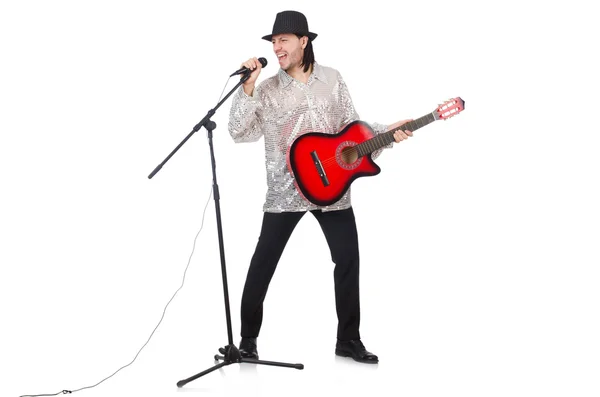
400, 135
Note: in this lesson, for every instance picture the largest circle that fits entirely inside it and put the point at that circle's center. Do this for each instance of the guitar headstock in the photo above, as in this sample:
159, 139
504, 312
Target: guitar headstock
449, 109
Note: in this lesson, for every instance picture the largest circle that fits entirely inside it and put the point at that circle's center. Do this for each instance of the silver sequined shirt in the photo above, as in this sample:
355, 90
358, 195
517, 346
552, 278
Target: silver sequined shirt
282, 108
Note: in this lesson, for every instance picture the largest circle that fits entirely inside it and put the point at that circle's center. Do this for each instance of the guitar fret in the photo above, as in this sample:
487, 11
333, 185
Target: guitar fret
359, 150
381, 140
428, 118
390, 138
384, 139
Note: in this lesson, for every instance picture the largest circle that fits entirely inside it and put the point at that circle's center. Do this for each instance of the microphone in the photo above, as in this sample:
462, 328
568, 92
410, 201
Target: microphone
262, 61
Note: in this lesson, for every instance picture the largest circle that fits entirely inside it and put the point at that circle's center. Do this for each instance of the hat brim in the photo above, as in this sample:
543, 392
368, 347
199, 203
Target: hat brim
310, 35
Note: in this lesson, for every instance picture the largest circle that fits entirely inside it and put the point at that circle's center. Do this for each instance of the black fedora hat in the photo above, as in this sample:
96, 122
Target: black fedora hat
290, 22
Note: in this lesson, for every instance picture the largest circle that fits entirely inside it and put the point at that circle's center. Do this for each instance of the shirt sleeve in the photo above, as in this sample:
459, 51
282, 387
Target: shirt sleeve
245, 116
350, 114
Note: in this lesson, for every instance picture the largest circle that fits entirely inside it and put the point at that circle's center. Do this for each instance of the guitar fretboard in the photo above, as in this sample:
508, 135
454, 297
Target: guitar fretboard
381, 140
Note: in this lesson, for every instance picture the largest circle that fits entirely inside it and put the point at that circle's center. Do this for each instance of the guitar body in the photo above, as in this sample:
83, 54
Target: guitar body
339, 166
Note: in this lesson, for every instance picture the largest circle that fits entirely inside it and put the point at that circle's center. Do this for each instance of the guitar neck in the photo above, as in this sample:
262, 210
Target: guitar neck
384, 139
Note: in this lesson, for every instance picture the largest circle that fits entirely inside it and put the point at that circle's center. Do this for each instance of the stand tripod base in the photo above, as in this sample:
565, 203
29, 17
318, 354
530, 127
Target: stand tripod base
230, 355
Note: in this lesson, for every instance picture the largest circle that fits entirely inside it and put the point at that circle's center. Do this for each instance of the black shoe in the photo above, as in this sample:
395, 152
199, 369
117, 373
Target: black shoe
248, 348
356, 350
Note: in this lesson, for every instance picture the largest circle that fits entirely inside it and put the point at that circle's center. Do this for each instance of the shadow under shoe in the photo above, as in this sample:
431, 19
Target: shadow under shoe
356, 350
248, 348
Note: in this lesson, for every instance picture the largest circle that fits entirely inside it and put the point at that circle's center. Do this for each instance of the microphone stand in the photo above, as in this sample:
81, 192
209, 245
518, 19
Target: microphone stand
230, 353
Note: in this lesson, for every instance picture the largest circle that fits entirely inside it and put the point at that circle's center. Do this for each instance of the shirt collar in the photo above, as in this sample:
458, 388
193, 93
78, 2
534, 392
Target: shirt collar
317, 73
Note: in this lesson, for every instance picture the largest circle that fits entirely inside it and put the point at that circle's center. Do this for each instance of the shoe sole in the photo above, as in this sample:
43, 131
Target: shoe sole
342, 353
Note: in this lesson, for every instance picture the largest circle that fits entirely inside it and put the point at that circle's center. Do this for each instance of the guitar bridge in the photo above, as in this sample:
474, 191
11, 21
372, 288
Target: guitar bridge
319, 167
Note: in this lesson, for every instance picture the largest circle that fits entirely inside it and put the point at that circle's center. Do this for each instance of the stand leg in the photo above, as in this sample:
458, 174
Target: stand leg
231, 355
191, 378
273, 363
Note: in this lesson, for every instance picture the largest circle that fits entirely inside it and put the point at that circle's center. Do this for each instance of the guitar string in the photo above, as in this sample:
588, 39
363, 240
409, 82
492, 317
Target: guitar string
350, 152
353, 151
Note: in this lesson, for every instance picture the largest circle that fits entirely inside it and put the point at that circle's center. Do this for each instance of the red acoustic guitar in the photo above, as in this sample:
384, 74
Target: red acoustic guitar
325, 165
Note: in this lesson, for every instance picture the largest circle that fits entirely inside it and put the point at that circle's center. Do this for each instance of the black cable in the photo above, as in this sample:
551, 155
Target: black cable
155, 328
164, 311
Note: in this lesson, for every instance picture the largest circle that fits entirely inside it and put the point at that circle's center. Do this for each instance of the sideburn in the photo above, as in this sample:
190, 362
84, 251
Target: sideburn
308, 59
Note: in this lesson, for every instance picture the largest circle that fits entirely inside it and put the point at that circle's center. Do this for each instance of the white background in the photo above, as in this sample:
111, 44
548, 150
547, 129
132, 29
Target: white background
479, 239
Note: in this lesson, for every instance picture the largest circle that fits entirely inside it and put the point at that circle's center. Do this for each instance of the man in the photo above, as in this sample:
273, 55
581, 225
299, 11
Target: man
302, 97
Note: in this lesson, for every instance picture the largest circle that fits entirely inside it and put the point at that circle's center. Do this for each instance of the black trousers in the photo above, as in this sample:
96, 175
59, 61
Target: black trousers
339, 228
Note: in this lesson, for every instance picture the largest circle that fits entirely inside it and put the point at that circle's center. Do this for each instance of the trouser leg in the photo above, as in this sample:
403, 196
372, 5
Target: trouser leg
340, 231
274, 235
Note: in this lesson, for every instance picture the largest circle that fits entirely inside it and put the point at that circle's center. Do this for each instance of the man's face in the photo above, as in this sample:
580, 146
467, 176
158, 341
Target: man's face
289, 50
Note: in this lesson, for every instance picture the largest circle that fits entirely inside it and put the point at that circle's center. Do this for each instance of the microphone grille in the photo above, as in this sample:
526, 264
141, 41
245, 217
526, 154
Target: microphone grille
262, 61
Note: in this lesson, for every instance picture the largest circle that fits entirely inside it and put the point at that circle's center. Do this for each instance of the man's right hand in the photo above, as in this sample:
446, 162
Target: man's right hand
254, 65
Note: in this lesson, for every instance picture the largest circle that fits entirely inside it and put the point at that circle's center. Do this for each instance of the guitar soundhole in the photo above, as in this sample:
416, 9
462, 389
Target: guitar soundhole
347, 155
